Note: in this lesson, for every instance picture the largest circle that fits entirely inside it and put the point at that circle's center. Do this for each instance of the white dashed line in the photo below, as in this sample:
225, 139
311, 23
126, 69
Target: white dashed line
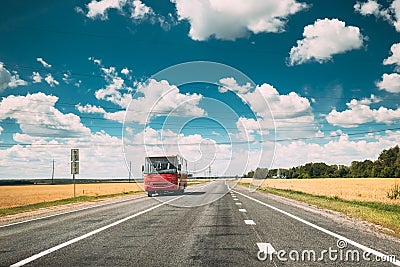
238, 203
249, 222
242, 210
235, 199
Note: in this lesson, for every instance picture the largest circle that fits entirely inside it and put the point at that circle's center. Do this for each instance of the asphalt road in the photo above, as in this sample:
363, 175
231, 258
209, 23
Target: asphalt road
210, 225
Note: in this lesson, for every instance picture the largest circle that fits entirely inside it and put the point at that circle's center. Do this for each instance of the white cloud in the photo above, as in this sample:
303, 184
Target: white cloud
324, 39
248, 128
159, 98
277, 110
95, 60
44, 63
9, 81
90, 109
36, 77
395, 57
290, 115
360, 112
99, 9
231, 84
125, 71
341, 152
116, 91
118, 116
390, 83
51, 81
100, 157
372, 7
16, 81
37, 116
5, 77
232, 19
140, 10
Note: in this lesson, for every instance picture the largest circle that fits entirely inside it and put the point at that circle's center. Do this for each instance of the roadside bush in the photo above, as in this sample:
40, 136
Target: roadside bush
394, 192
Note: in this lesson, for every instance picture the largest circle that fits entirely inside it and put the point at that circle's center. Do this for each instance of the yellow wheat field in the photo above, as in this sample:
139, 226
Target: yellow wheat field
363, 189
14, 196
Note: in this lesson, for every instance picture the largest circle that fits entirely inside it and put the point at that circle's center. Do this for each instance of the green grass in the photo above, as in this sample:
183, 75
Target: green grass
36, 206
386, 215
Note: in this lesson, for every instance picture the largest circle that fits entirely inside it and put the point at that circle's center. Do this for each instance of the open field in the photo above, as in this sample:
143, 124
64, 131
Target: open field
361, 189
23, 195
14, 196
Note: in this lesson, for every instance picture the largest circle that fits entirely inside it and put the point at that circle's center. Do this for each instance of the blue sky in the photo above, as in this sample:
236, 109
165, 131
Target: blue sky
229, 84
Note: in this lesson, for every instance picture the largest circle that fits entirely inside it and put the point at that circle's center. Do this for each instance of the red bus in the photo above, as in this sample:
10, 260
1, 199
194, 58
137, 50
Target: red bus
164, 174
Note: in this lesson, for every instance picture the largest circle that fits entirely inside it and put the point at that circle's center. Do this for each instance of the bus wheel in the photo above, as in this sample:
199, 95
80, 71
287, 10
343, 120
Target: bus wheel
149, 194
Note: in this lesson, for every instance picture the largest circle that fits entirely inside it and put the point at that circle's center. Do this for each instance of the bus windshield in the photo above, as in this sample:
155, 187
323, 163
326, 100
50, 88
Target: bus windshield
159, 165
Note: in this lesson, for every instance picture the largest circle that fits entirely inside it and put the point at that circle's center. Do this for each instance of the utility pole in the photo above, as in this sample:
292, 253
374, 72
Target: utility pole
52, 174
130, 170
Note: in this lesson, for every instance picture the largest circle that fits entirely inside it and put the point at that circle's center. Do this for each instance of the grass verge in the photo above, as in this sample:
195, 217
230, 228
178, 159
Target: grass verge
386, 215
36, 206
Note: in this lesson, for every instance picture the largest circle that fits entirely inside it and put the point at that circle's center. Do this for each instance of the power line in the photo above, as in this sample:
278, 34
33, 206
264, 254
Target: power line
196, 144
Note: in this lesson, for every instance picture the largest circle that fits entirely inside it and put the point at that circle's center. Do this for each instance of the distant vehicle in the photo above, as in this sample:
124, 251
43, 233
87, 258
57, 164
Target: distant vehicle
164, 174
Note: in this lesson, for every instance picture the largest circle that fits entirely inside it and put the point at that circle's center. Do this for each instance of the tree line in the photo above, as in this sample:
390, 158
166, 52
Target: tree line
387, 165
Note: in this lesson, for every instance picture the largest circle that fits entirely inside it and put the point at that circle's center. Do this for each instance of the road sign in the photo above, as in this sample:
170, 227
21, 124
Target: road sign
75, 167
74, 155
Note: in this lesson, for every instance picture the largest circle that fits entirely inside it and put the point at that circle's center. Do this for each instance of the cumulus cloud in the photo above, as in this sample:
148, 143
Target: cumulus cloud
140, 10
390, 83
231, 84
8, 80
115, 91
159, 98
290, 115
324, 39
125, 71
229, 20
36, 77
5, 77
360, 112
51, 81
16, 81
372, 7
89, 109
341, 151
37, 116
99, 9
118, 116
395, 57
44, 63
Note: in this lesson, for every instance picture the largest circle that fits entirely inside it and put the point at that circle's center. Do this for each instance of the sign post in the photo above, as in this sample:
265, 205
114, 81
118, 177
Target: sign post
74, 166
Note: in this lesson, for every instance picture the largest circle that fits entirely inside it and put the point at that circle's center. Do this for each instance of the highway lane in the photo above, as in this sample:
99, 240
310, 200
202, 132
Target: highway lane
204, 227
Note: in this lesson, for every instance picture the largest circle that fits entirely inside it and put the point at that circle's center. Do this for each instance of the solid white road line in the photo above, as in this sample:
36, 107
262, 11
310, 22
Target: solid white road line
249, 222
349, 241
242, 210
50, 250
